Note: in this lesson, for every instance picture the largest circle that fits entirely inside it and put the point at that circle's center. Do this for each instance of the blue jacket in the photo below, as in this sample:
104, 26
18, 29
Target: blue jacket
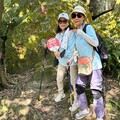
85, 49
69, 51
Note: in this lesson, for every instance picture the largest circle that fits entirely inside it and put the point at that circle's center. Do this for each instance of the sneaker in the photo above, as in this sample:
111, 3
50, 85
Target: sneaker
74, 107
59, 97
84, 113
99, 119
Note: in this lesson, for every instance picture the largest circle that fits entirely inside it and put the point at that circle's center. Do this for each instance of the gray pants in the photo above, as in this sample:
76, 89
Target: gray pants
95, 80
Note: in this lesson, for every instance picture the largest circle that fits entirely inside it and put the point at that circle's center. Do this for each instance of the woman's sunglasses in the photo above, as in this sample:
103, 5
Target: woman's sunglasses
62, 21
79, 15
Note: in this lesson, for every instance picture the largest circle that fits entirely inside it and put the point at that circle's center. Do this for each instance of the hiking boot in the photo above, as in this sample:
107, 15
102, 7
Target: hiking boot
74, 107
59, 97
99, 119
83, 113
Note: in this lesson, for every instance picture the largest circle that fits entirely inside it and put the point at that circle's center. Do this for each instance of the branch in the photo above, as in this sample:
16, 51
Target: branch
95, 17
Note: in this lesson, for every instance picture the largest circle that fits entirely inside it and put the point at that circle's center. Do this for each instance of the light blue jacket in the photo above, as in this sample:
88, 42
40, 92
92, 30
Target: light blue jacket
85, 49
69, 51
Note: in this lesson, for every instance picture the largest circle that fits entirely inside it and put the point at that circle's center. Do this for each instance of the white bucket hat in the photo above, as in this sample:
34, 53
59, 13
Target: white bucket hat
79, 9
64, 15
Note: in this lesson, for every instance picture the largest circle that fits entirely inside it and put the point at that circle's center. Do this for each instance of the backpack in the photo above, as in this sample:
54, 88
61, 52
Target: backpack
101, 48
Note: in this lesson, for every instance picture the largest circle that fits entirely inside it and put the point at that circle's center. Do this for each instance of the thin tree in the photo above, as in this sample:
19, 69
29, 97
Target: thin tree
3, 79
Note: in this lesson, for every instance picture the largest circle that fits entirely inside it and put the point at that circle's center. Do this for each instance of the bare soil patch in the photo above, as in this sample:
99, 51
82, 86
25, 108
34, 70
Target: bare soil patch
27, 102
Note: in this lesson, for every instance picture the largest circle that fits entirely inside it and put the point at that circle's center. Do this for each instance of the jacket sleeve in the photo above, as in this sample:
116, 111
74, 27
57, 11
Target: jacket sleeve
90, 39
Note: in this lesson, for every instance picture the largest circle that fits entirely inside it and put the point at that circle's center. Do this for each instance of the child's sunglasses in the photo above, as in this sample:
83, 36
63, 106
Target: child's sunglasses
62, 21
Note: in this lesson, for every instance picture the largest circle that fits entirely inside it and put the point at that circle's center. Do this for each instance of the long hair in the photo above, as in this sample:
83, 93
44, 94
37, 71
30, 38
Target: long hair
58, 30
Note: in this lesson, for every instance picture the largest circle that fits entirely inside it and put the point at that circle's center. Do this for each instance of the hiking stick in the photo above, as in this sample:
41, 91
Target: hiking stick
71, 102
40, 85
43, 68
71, 90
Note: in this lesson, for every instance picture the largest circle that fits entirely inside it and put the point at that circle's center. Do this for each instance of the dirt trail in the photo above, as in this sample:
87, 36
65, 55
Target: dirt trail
26, 102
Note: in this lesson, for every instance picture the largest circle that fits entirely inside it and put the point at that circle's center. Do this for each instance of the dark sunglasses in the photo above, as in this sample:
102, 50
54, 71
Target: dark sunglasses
79, 15
62, 21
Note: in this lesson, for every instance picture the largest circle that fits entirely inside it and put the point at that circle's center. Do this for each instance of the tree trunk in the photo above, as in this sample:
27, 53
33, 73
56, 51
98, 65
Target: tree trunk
1, 9
99, 7
3, 80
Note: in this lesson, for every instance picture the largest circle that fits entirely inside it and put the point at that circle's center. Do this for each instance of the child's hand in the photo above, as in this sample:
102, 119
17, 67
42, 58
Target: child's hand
57, 54
45, 45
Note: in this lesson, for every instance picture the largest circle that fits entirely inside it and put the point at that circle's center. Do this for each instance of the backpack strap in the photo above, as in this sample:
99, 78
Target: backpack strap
84, 28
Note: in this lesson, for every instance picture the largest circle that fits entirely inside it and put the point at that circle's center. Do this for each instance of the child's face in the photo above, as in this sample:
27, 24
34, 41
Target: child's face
63, 23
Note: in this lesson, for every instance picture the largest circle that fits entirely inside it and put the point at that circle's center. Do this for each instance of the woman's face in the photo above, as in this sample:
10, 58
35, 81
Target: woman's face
78, 18
63, 23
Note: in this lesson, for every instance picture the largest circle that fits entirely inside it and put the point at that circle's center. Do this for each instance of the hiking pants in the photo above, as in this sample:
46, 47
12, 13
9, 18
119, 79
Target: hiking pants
95, 80
60, 76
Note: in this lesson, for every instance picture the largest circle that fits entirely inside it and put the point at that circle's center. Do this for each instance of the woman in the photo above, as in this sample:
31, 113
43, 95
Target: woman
84, 45
63, 55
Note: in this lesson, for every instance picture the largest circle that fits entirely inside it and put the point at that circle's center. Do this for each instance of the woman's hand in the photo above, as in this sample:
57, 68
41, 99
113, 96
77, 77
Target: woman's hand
69, 63
74, 30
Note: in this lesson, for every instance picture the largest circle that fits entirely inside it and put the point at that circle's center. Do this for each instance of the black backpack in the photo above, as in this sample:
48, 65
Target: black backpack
101, 48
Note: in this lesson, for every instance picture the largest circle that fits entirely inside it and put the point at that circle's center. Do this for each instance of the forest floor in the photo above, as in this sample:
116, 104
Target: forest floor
28, 100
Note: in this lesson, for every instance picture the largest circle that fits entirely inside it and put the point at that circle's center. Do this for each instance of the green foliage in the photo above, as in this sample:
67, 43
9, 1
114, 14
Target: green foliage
108, 25
32, 23
115, 104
